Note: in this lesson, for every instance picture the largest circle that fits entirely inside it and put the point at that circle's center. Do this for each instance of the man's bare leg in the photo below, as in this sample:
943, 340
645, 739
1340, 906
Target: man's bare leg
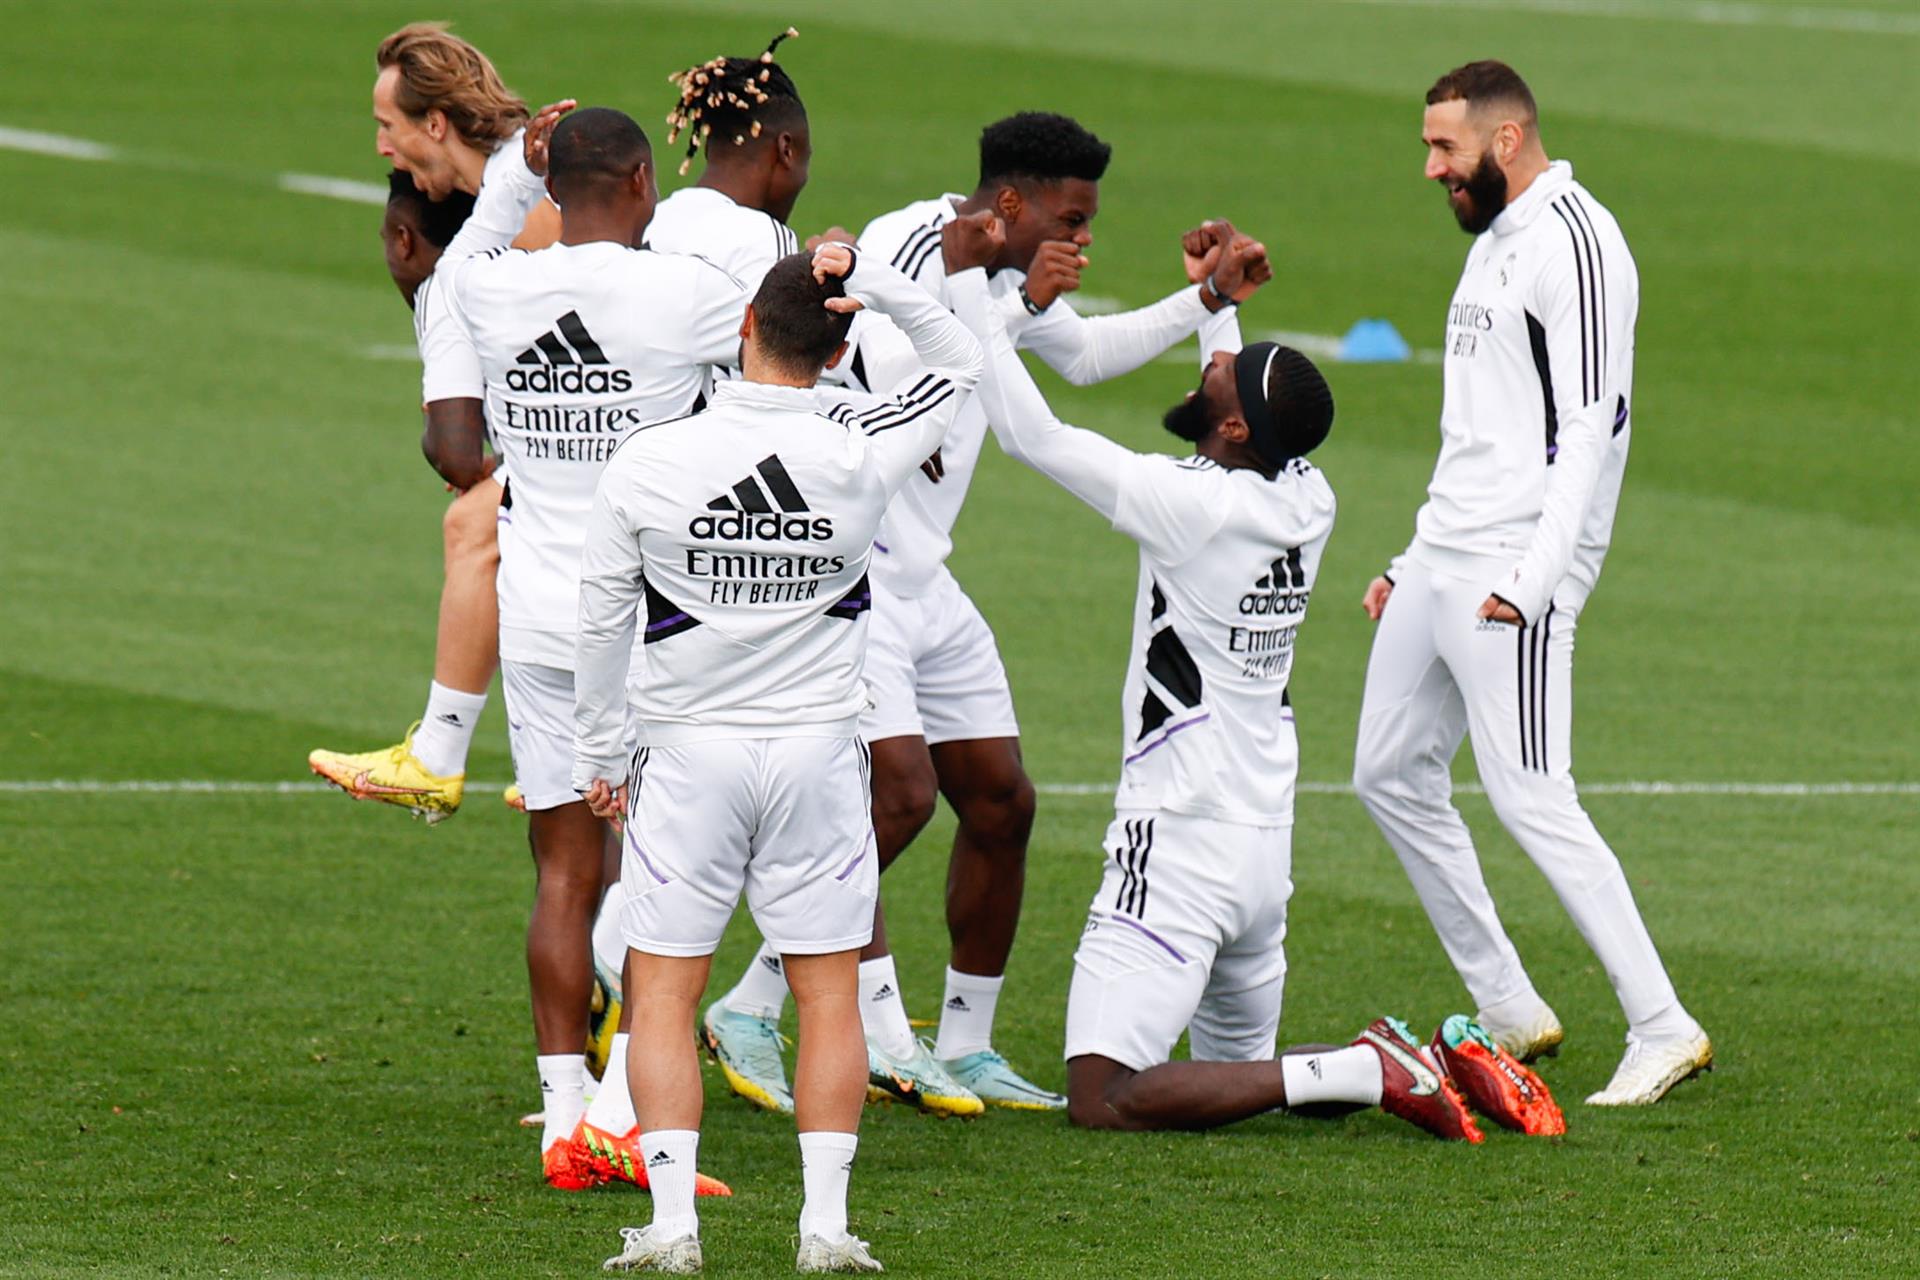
566, 844
663, 1072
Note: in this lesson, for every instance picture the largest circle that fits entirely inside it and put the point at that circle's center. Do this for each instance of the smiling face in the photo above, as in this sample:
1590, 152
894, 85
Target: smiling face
417, 146
1461, 157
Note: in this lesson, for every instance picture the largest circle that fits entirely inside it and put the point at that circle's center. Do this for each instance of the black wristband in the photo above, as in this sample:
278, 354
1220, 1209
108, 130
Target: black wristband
1209, 286
1026, 300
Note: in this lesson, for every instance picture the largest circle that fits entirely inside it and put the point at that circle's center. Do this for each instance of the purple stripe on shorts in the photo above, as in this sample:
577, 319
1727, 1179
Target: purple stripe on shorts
1202, 718
644, 860
851, 867
667, 622
881, 547
1130, 922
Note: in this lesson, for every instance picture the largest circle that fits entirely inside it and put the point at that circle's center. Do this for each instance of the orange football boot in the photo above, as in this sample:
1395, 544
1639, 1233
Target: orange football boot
1496, 1084
618, 1158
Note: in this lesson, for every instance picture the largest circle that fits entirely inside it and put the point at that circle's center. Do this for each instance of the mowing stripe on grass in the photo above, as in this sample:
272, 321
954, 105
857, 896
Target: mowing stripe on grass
238, 787
54, 144
313, 184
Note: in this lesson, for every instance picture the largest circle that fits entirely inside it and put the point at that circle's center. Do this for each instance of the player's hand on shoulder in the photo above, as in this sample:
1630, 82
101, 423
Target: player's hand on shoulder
1375, 601
972, 240
539, 135
1055, 270
832, 235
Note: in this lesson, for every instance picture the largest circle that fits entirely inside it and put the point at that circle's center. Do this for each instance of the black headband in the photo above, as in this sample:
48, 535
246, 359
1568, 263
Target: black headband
1251, 369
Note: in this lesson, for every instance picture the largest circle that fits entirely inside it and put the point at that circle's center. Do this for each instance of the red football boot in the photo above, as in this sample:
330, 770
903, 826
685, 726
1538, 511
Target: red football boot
1496, 1084
1412, 1085
567, 1167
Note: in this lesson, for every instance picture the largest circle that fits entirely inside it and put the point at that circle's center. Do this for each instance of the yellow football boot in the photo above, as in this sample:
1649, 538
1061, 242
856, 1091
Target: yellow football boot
393, 775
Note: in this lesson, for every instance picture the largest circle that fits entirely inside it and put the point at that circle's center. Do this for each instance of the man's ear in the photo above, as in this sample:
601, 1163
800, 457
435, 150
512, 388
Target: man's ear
404, 242
1008, 203
839, 354
784, 150
1234, 431
746, 325
1507, 140
436, 124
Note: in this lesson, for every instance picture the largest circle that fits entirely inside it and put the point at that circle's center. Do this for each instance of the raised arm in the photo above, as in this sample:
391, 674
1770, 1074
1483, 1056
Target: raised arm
912, 419
612, 581
1586, 361
1086, 464
513, 191
1085, 350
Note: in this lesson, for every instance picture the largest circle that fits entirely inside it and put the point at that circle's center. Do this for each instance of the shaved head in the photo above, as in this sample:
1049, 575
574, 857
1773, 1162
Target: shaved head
594, 152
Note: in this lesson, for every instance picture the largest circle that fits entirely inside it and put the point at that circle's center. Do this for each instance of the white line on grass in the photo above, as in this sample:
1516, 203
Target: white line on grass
313, 184
227, 786
1706, 13
54, 144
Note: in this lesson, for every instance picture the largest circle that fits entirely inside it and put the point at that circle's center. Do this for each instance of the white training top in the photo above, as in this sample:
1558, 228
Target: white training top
1534, 426
743, 242
1227, 563
747, 529
508, 193
917, 536
578, 345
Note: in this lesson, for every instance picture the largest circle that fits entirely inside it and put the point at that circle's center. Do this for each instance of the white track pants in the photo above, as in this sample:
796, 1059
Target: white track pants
1437, 672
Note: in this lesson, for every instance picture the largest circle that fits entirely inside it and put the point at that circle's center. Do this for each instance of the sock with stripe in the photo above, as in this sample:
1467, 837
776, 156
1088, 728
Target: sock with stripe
446, 730
966, 1015
882, 1011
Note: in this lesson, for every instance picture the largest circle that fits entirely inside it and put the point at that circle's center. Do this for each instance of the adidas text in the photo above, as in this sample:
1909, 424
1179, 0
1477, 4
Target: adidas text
570, 379
735, 526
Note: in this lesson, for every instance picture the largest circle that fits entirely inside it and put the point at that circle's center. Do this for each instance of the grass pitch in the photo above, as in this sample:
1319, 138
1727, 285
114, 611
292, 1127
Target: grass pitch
261, 1034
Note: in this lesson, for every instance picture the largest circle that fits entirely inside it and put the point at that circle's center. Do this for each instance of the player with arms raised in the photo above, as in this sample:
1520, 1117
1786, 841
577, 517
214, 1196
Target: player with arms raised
1477, 616
746, 531
943, 721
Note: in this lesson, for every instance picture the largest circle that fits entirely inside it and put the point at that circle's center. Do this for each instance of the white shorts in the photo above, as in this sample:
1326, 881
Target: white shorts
933, 670
540, 732
789, 820
1185, 934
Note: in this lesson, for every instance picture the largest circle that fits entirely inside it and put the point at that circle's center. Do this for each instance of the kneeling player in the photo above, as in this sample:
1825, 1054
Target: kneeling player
1186, 931
748, 529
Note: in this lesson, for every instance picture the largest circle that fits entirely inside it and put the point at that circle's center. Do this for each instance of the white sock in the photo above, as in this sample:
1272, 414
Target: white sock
762, 989
882, 1011
1522, 1009
446, 729
609, 943
560, 1077
1351, 1074
966, 1016
670, 1154
826, 1163
611, 1110
1671, 1023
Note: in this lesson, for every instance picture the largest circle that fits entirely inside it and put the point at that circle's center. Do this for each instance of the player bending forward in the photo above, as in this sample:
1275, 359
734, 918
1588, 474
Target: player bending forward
747, 530
1477, 616
1186, 930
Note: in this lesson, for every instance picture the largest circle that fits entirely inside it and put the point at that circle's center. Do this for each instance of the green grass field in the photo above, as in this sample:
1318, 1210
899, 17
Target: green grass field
264, 1034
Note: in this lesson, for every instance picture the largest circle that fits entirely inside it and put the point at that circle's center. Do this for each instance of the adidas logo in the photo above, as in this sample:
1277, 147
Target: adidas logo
657, 1159
747, 516
1313, 1065
449, 718
561, 360
885, 992
772, 963
1282, 589
958, 1004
